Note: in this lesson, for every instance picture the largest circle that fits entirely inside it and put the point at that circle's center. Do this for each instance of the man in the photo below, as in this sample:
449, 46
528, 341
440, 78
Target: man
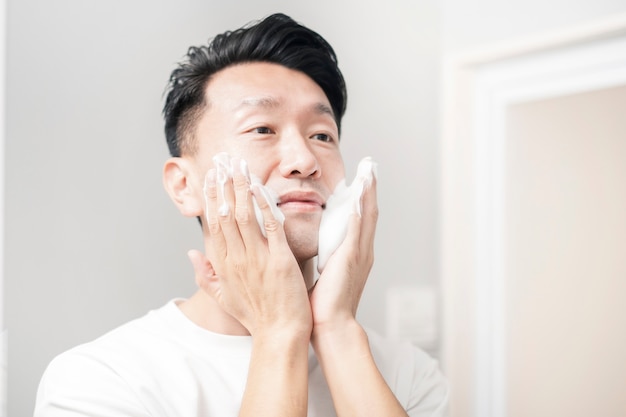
260, 337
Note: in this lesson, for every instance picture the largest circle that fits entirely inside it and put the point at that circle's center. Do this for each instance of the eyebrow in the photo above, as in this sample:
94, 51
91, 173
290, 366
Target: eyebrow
266, 102
321, 108
272, 103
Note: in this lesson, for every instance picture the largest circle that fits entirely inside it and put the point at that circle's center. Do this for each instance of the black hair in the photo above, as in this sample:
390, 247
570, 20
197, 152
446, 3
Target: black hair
276, 39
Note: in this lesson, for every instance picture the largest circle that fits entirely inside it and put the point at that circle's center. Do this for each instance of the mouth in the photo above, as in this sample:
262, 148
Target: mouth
301, 201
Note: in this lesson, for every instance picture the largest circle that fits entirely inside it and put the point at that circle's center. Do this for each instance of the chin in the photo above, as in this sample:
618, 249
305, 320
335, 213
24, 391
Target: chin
302, 242
303, 256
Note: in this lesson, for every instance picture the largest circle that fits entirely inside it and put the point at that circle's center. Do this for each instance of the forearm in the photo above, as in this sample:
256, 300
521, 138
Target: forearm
356, 385
277, 380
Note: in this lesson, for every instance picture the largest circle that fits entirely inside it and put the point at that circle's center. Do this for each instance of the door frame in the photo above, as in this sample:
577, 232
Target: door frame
478, 89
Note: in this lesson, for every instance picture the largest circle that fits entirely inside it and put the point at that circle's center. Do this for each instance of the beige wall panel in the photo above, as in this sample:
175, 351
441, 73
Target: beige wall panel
565, 263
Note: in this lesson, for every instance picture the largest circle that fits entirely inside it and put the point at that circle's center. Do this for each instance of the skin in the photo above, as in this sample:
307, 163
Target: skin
280, 122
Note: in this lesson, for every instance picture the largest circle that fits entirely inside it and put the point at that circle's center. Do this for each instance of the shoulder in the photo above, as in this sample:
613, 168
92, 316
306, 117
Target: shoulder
412, 374
85, 382
88, 377
131, 342
160, 364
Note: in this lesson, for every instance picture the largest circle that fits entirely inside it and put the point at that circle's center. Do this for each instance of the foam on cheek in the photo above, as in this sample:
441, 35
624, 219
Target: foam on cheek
224, 172
344, 202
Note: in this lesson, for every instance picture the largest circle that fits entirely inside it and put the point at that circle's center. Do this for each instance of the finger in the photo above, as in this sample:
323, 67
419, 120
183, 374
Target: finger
244, 206
226, 215
362, 222
204, 273
362, 226
218, 244
354, 232
202, 268
369, 214
273, 227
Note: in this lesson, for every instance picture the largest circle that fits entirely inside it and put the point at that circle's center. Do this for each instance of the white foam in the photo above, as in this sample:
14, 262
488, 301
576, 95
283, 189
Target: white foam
224, 171
344, 201
340, 205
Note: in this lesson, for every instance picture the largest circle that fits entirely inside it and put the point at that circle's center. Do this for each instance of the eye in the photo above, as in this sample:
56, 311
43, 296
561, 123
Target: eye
323, 137
263, 130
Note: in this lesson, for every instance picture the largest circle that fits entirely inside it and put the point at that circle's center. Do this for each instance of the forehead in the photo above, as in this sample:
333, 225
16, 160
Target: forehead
265, 85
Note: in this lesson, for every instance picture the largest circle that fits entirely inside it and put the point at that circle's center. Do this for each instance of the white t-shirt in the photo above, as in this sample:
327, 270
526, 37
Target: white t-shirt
164, 365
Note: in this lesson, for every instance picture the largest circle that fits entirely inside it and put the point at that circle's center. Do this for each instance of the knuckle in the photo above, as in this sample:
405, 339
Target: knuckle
373, 213
262, 204
211, 191
242, 216
240, 182
225, 216
271, 225
239, 266
214, 226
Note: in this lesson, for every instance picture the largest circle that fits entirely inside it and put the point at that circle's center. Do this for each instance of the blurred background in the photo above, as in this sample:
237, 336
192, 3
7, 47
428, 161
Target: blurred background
91, 239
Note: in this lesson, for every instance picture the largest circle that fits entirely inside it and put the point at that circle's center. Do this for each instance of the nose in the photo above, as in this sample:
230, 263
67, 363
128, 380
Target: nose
298, 159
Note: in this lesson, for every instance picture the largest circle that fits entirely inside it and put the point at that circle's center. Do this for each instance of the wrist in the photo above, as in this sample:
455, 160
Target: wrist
280, 348
286, 334
340, 336
284, 326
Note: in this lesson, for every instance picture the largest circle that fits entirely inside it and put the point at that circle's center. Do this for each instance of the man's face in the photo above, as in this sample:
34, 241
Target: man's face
280, 121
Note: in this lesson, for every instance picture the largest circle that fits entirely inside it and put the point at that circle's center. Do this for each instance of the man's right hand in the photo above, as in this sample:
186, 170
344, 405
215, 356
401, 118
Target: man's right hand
255, 279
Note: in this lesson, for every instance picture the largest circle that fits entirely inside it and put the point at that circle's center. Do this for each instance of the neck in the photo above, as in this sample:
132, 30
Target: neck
308, 272
204, 311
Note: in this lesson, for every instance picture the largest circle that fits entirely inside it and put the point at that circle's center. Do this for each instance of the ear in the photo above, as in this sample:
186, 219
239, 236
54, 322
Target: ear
182, 187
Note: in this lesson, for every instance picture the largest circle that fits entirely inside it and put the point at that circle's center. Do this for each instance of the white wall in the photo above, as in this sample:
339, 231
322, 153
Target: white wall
470, 25
91, 238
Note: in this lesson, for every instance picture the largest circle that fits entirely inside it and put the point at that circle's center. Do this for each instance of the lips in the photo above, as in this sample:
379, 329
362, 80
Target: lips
309, 199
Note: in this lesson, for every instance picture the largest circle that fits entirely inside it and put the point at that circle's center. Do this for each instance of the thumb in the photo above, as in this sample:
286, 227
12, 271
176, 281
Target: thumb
203, 271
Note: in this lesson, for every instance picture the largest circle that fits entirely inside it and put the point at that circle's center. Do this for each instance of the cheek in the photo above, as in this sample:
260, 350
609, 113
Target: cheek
258, 164
201, 164
333, 171
258, 169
